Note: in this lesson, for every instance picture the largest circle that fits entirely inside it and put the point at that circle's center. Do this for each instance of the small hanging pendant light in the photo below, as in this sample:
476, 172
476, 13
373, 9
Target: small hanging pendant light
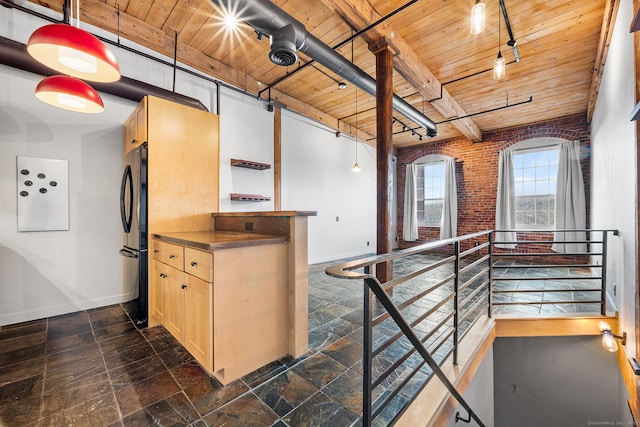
356, 167
478, 17
73, 51
70, 94
499, 66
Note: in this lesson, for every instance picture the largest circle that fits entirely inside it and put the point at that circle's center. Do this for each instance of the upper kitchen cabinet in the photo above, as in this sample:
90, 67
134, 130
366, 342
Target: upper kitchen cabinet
135, 128
183, 163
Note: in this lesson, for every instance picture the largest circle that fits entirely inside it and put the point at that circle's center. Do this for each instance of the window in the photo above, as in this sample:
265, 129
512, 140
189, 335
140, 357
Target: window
535, 173
430, 187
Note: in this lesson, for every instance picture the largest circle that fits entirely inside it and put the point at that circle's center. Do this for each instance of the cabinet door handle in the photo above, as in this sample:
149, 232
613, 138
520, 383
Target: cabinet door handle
172, 256
163, 276
184, 286
155, 251
193, 263
133, 141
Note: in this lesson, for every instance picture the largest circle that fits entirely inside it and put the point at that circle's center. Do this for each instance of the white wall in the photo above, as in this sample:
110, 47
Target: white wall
246, 132
48, 273
316, 175
613, 169
479, 395
557, 381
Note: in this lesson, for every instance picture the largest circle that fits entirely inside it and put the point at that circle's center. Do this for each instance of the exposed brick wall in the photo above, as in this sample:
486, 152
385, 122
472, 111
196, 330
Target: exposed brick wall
477, 171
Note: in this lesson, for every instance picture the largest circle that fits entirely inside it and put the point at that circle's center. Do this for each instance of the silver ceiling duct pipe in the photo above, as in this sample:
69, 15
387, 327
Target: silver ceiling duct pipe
289, 36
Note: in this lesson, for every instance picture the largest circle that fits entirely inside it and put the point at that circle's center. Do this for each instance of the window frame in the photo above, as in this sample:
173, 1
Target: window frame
422, 163
536, 148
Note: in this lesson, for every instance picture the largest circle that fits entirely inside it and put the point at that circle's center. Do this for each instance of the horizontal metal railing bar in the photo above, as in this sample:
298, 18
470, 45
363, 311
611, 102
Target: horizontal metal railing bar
384, 316
515, 291
413, 324
344, 270
473, 250
560, 230
473, 322
393, 393
421, 295
473, 264
547, 266
482, 287
395, 282
474, 307
546, 242
473, 279
533, 279
545, 302
511, 254
441, 340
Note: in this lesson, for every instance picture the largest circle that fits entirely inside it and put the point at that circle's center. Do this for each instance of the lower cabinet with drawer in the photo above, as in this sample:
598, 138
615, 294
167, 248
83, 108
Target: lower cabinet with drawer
181, 297
227, 306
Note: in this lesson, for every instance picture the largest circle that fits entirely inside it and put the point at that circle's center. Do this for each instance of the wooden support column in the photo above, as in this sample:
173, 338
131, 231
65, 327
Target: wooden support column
384, 117
277, 159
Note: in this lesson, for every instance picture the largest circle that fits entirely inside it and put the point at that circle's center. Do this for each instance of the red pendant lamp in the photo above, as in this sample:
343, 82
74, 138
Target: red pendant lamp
73, 51
70, 94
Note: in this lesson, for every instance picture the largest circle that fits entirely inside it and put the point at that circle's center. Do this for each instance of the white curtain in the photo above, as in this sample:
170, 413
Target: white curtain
410, 220
570, 200
505, 201
449, 221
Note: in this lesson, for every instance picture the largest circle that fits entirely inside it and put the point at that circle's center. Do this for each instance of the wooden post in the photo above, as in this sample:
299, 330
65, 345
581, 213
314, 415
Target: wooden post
384, 117
277, 159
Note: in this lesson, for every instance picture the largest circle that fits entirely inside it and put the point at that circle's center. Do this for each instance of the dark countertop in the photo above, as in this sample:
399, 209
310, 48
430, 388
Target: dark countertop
267, 213
215, 240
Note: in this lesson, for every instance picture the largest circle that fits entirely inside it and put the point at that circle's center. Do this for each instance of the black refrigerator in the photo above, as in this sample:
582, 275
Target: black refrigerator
133, 212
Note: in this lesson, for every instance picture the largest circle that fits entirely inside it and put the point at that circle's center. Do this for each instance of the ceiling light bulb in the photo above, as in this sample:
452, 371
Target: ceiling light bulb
499, 67
478, 14
356, 168
342, 85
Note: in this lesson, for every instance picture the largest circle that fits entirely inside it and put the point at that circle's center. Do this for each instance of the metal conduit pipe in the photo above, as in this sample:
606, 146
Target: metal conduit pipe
289, 36
14, 54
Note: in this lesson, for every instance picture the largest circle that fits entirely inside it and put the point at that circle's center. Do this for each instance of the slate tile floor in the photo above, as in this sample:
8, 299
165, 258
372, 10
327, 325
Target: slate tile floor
94, 368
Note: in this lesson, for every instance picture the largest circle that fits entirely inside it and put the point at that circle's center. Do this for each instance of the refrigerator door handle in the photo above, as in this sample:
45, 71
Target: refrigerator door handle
127, 179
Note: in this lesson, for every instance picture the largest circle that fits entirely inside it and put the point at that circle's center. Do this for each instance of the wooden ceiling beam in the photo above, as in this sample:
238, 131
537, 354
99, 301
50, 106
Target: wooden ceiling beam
361, 13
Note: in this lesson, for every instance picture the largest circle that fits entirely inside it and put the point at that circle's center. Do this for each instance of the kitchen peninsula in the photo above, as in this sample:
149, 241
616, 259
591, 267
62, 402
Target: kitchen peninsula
234, 295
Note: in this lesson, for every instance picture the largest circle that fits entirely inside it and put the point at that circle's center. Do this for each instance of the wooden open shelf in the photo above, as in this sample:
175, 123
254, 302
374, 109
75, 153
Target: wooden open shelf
249, 197
249, 164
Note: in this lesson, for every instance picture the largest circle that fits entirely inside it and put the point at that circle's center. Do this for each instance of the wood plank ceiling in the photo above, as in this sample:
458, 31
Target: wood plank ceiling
557, 41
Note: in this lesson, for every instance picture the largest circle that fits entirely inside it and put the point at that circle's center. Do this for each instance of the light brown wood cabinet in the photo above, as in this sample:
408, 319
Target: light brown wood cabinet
182, 301
183, 175
135, 128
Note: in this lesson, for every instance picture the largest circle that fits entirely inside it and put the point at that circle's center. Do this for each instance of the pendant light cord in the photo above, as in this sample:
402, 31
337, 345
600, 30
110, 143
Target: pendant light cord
356, 88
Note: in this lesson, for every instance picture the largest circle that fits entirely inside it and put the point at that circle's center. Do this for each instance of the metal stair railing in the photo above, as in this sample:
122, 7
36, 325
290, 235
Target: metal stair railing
415, 321
431, 315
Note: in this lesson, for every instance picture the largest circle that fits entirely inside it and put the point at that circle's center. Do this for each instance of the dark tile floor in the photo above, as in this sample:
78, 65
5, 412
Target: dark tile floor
94, 368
